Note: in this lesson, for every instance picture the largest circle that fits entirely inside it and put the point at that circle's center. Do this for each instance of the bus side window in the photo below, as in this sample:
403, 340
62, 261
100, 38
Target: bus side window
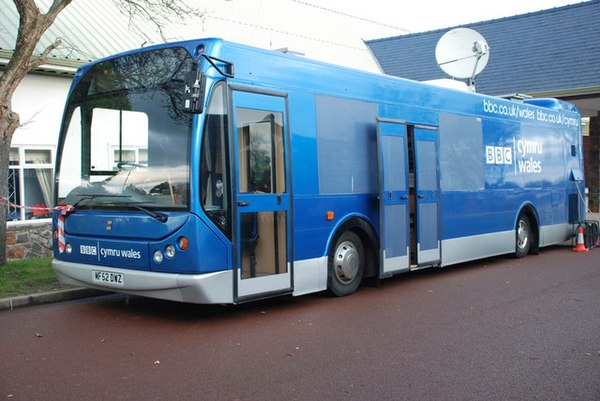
260, 152
213, 170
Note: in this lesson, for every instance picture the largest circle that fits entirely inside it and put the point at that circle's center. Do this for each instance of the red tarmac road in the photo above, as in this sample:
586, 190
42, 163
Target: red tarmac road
498, 329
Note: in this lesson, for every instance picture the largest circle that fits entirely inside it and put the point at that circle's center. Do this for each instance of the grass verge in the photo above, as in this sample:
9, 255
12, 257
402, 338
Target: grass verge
24, 277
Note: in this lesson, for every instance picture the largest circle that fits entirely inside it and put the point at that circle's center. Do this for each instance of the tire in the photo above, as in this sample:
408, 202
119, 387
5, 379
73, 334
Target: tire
523, 237
346, 264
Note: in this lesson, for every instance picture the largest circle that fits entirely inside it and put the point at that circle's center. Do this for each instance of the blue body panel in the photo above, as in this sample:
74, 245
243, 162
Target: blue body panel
525, 156
128, 240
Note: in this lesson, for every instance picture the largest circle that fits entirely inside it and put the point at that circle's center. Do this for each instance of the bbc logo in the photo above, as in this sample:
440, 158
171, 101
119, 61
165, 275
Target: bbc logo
498, 155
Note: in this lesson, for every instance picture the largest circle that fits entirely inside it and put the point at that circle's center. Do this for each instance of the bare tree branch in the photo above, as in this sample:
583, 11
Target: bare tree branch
32, 25
158, 12
56, 8
43, 58
32, 119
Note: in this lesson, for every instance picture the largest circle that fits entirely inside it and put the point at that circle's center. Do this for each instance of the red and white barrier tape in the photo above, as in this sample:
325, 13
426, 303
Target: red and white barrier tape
70, 208
64, 211
32, 208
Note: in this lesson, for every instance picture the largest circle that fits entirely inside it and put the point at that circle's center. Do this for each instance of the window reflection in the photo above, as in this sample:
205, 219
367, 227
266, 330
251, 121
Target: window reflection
263, 244
127, 142
213, 168
260, 151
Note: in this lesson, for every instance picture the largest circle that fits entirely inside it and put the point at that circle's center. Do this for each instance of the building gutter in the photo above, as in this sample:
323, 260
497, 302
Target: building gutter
55, 66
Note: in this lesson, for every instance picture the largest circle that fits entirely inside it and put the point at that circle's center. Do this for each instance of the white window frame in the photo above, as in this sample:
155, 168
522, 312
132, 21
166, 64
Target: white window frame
135, 149
22, 166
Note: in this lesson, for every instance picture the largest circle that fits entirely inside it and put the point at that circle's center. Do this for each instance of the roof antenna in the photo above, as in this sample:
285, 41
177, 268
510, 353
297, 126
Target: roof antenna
462, 53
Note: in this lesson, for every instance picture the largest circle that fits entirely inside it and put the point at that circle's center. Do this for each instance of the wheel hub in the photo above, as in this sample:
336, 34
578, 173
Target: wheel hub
522, 235
346, 261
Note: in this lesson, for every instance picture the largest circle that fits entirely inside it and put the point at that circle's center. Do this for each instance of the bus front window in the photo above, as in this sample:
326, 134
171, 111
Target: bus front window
127, 140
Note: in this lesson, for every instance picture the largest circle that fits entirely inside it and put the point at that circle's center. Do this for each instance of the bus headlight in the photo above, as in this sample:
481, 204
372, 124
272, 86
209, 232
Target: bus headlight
158, 257
170, 251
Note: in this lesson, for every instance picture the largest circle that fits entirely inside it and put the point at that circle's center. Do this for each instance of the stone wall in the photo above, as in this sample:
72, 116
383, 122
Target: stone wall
29, 240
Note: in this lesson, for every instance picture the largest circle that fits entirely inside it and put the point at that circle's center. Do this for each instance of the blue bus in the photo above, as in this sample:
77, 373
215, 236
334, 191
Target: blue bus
211, 172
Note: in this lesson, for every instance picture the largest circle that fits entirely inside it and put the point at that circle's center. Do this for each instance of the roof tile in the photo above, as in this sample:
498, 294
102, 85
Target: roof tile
536, 52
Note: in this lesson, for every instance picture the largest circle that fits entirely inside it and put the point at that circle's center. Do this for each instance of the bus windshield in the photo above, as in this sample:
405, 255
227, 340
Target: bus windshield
125, 138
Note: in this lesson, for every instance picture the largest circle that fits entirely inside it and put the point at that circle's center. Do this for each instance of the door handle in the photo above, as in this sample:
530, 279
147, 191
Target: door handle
421, 196
243, 204
404, 197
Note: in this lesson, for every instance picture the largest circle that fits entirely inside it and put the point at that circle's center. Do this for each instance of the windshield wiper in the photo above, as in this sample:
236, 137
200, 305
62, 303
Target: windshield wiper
130, 164
158, 216
86, 197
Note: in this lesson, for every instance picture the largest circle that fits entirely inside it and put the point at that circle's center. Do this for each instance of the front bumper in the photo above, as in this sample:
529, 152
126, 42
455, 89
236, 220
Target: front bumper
208, 288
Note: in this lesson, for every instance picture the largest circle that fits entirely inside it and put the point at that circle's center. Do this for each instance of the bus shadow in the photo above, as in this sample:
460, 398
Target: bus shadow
186, 312
506, 261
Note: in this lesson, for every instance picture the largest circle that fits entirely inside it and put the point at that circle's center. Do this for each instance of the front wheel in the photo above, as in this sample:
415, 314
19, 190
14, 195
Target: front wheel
523, 237
346, 264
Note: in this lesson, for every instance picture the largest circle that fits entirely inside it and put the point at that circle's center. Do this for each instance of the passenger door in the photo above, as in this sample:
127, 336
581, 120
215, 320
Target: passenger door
428, 194
262, 209
408, 196
393, 196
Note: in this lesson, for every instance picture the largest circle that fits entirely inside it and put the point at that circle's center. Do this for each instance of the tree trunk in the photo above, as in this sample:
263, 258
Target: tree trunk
32, 25
8, 124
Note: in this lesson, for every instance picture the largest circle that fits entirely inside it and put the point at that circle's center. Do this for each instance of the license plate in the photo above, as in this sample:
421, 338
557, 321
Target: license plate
108, 277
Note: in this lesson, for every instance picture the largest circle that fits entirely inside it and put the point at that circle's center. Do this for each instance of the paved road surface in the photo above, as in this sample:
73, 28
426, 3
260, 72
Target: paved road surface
499, 329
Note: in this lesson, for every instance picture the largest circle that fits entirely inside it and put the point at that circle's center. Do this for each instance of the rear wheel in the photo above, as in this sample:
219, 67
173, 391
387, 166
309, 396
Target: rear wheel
346, 264
523, 237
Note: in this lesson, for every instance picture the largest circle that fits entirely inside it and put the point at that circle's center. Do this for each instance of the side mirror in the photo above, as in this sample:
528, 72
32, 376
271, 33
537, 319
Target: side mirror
193, 92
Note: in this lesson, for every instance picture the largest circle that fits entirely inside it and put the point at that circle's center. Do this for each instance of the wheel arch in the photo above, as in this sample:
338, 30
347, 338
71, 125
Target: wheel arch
361, 226
530, 211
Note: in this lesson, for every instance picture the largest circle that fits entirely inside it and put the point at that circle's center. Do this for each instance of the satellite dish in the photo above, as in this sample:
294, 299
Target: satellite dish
462, 53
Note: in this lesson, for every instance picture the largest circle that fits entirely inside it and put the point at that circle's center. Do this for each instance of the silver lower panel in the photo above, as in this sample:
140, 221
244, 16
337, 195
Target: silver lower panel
464, 249
209, 288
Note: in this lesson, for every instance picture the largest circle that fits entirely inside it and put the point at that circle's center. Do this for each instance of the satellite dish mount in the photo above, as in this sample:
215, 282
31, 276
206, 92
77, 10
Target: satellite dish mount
462, 53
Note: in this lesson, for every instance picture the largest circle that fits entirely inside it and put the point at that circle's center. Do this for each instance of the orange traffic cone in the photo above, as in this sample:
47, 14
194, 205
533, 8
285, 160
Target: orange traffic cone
580, 247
